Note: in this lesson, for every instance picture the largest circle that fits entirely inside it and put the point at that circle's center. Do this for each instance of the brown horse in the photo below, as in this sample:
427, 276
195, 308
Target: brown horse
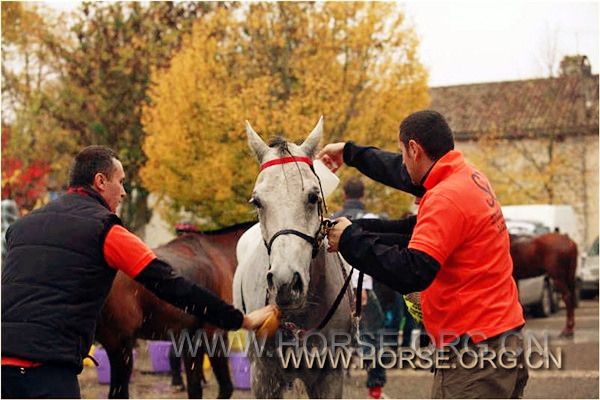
131, 311
553, 254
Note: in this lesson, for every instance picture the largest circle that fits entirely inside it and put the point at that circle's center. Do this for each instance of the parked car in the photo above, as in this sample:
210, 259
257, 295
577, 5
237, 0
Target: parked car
539, 295
588, 273
526, 228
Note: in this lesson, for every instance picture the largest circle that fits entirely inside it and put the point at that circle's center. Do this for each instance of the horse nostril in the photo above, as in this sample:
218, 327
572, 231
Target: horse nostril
297, 283
270, 280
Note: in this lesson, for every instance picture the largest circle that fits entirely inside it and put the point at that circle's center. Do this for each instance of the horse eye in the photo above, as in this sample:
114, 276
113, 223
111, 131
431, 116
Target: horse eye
313, 198
255, 202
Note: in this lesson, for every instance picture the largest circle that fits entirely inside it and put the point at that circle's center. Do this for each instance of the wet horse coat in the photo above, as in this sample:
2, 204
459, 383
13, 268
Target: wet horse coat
131, 311
286, 267
554, 254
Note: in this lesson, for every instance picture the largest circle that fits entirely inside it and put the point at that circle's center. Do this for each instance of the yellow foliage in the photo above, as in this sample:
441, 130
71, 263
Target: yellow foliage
525, 171
281, 66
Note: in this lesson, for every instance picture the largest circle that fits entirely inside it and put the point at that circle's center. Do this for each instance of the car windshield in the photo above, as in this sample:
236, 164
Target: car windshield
518, 227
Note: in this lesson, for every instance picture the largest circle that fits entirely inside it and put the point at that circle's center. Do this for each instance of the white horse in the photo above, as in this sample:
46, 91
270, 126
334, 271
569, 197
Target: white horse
290, 267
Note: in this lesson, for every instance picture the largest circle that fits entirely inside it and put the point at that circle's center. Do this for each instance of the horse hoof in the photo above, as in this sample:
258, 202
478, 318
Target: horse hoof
225, 392
178, 388
566, 334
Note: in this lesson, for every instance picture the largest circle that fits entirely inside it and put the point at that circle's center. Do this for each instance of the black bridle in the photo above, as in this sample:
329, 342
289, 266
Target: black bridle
316, 242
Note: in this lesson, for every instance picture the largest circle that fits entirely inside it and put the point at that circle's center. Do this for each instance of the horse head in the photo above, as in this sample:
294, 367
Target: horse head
289, 201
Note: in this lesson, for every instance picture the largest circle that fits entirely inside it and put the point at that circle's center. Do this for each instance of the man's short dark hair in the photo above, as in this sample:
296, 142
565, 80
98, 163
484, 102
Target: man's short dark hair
354, 188
89, 162
430, 130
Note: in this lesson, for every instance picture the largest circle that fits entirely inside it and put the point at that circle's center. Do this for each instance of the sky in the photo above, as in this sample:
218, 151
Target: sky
472, 41
487, 41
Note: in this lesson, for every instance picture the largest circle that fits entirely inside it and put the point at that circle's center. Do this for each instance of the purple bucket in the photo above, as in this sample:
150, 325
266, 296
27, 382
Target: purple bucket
103, 367
240, 370
159, 355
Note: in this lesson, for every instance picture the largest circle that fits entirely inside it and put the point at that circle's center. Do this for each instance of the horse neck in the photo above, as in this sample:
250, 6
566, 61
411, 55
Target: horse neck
222, 259
195, 251
325, 276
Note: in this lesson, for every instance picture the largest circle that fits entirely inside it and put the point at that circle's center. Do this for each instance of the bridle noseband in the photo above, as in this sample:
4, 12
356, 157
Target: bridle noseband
310, 239
315, 240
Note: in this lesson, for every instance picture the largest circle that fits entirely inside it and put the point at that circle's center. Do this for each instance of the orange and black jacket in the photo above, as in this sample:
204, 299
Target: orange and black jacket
379, 247
58, 272
460, 239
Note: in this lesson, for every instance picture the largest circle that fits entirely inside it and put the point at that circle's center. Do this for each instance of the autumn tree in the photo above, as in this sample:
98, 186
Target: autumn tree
281, 66
25, 183
36, 147
104, 75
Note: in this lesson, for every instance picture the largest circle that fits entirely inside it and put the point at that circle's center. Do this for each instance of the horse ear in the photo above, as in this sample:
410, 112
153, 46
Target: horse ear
312, 141
256, 143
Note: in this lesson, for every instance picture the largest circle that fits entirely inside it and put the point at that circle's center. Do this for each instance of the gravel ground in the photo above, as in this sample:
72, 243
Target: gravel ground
577, 378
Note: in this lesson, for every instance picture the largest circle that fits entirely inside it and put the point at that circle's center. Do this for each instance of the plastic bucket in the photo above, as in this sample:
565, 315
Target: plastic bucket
103, 367
240, 370
237, 340
159, 355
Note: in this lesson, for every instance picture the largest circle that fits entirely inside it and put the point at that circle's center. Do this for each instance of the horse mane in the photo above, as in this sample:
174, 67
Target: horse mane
279, 143
227, 229
189, 238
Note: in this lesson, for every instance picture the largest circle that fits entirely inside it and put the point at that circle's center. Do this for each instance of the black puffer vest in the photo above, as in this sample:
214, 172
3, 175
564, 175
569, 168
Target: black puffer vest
55, 279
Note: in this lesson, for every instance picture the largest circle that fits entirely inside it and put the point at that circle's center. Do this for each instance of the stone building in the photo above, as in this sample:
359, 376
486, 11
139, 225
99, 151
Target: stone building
536, 139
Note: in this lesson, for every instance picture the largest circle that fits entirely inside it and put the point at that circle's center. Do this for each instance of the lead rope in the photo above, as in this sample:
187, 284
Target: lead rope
354, 302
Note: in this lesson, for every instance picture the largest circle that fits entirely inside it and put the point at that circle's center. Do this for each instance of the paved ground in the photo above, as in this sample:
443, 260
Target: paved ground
577, 377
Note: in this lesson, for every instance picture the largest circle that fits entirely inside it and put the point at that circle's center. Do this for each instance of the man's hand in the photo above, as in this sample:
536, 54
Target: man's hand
333, 237
256, 318
332, 155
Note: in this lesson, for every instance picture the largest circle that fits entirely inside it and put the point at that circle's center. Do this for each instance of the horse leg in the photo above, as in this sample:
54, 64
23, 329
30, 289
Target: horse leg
220, 366
193, 372
267, 383
121, 365
568, 297
329, 384
175, 367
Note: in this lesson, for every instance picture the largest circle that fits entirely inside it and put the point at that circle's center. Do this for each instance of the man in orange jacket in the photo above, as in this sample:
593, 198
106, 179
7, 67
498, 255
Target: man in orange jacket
458, 255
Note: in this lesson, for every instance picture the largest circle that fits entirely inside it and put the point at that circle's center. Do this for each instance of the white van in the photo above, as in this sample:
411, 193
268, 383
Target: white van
556, 217
589, 272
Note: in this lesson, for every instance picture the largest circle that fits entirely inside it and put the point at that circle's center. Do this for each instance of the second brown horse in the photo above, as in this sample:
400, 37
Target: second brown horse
553, 254
131, 311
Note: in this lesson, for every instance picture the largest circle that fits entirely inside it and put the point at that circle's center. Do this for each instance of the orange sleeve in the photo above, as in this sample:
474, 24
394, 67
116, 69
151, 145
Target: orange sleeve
439, 228
126, 252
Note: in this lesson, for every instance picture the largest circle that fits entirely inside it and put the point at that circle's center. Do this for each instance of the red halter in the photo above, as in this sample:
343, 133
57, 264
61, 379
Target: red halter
285, 160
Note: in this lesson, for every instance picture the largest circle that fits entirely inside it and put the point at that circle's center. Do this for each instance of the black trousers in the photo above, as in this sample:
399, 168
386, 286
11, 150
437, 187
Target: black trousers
46, 381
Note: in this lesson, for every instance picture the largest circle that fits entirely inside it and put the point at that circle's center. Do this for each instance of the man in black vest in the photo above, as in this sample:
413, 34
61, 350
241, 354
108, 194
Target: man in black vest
60, 265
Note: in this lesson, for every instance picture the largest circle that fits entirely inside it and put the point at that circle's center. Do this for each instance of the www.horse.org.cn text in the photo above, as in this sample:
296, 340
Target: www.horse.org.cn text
315, 350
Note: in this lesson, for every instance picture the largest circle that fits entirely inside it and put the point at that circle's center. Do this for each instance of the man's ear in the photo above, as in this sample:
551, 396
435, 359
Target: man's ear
415, 149
99, 182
